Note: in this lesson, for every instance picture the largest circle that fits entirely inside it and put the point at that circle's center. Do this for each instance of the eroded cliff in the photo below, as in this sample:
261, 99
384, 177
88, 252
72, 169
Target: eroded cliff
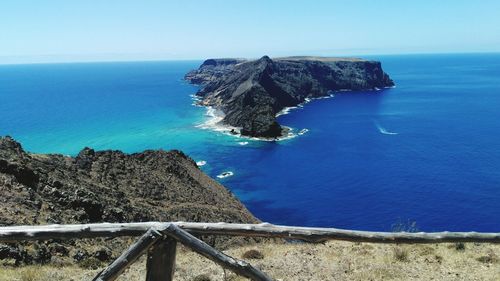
251, 92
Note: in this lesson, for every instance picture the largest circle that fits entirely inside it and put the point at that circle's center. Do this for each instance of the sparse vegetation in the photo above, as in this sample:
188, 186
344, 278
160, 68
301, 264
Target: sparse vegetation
30, 274
426, 250
202, 277
460, 246
400, 254
91, 263
489, 258
333, 260
45, 273
253, 254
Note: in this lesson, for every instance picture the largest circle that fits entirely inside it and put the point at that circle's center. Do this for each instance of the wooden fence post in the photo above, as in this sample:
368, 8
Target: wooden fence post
161, 260
129, 256
237, 266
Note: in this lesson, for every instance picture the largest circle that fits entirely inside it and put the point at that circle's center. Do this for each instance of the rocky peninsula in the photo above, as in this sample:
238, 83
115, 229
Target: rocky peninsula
250, 93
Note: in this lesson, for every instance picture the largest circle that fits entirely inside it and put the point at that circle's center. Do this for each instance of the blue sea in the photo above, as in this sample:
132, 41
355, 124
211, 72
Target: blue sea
427, 151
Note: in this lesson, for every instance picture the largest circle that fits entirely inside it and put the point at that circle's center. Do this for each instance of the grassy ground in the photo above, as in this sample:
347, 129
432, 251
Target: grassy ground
336, 260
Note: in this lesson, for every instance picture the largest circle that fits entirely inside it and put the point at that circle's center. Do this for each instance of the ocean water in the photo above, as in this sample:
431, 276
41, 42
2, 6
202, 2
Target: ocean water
427, 151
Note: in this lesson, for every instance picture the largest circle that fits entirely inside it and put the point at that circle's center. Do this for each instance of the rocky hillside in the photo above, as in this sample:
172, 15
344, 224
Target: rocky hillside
251, 93
108, 186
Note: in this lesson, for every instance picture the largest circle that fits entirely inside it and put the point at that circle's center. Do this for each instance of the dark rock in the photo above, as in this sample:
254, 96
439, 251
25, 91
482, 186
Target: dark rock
211, 70
58, 249
42, 255
9, 252
106, 186
23, 175
85, 158
251, 93
80, 255
103, 254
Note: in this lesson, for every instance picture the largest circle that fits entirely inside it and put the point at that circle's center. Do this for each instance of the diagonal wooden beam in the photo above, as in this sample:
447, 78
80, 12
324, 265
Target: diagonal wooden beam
129, 256
237, 266
163, 251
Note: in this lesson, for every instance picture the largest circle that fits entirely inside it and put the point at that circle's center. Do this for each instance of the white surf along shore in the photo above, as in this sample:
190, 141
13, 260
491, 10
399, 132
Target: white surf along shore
214, 123
201, 163
331, 94
215, 117
222, 175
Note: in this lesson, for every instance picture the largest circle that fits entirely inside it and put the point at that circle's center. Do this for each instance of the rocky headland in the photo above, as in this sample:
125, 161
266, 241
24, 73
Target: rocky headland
104, 186
250, 93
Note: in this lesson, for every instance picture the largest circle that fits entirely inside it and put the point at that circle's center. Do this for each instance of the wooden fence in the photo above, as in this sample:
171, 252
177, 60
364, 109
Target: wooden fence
159, 241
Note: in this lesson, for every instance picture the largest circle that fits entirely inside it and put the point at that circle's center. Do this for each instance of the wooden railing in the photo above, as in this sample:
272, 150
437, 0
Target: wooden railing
159, 241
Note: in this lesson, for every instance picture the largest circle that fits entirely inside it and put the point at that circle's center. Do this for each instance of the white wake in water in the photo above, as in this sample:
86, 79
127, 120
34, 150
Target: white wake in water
382, 130
303, 131
225, 174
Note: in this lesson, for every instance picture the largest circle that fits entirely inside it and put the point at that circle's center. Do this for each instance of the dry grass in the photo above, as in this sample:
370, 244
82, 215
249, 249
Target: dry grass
45, 273
336, 260
400, 254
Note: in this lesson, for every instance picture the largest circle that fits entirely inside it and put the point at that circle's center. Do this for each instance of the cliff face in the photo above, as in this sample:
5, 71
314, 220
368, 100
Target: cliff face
108, 186
251, 93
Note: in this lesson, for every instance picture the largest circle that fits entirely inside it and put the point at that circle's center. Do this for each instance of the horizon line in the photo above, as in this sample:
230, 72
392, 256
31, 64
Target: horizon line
203, 59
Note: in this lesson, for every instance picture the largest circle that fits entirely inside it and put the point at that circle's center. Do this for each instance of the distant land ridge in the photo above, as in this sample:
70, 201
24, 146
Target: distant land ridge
250, 93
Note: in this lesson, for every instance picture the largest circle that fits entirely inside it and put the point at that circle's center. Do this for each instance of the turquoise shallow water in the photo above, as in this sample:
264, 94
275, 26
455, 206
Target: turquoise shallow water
427, 151
128, 106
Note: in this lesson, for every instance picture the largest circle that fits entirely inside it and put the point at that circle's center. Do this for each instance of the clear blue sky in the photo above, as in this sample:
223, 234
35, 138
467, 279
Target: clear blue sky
86, 30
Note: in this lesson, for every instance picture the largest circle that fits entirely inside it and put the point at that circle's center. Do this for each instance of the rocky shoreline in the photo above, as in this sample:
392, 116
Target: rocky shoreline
251, 93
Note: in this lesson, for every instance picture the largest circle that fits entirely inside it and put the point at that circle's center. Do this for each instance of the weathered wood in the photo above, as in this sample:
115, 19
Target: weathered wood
161, 260
315, 234
129, 256
311, 234
71, 231
239, 267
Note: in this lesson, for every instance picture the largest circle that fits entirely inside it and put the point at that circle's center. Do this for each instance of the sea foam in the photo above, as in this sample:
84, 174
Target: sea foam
214, 123
382, 130
201, 163
225, 174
